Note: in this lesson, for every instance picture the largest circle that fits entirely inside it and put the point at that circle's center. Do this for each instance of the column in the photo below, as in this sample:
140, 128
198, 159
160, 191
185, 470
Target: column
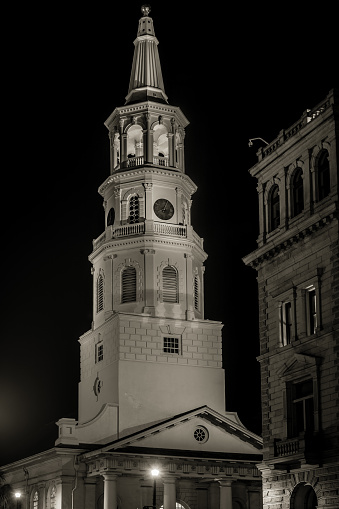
149, 281
169, 493
189, 287
110, 491
225, 495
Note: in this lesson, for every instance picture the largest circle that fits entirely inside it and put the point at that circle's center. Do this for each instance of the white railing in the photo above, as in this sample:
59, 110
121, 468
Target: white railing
135, 161
170, 229
160, 160
128, 229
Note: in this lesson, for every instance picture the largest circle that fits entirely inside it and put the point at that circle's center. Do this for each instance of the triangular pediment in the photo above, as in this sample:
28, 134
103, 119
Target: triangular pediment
202, 431
298, 363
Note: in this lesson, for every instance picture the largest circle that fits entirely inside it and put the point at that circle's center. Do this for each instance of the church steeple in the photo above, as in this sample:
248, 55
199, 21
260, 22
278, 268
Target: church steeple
146, 77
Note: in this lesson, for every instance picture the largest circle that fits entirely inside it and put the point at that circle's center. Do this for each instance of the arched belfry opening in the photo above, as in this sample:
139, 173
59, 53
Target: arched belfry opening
135, 150
303, 497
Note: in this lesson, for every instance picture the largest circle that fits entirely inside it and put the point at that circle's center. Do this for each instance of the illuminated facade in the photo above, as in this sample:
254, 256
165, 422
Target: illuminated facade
152, 388
298, 272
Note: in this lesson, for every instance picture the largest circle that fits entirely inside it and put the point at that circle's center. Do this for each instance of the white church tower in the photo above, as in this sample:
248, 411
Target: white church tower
150, 353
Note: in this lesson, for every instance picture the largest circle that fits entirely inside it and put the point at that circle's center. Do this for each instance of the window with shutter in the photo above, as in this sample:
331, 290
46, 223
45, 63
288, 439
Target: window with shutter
170, 285
134, 210
196, 293
100, 293
129, 285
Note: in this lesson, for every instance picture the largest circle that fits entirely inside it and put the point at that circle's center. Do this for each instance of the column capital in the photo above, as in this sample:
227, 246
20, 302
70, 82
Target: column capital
225, 483
110, 476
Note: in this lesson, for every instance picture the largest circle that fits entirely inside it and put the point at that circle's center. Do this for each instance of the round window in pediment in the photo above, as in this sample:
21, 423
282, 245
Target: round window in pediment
201, 434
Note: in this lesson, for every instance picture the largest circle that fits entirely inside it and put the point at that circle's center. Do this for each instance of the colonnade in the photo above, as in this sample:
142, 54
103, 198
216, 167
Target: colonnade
221, 491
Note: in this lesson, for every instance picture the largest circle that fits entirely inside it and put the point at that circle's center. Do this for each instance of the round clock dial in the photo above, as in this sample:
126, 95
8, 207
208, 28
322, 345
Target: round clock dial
163, 208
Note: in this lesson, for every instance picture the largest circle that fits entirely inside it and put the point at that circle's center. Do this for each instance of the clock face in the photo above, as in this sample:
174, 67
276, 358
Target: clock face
163, 208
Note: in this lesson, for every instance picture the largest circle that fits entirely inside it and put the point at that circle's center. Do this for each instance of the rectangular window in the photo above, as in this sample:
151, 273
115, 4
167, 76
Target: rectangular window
171, 345
99, 352
302, 407
311, 310
286, 323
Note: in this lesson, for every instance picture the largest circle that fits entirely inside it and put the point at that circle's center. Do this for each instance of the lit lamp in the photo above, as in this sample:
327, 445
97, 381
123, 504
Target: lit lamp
155, 473
17, 495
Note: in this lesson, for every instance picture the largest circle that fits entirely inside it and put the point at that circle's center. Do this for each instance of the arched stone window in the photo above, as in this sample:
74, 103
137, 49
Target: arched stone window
160, 145
274, 208
134, 209
135, 149
170, 285
323, 174
297, 192
35, 500
128, 285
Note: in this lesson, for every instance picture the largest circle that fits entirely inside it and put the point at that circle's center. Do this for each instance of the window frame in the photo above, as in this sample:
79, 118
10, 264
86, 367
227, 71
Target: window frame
128, 293
177, 341
100, 292
274, 208
297, 192
170, 286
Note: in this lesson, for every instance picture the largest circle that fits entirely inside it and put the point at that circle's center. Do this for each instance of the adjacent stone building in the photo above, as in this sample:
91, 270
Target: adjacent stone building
298, 281
152, 387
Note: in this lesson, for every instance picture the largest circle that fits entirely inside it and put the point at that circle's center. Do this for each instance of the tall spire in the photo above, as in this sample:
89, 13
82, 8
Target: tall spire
146, 81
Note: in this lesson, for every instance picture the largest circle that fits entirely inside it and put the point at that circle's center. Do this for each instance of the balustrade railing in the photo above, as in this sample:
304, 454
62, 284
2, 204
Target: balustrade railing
155, 227
287, 447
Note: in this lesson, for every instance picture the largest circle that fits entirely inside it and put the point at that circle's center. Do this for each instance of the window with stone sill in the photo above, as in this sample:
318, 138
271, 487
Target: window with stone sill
323, 175
274, 209
285, 321
172, 345
99, 351
297, 193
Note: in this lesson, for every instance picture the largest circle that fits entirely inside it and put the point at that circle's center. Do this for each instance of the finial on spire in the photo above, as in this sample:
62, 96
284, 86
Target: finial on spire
145, 9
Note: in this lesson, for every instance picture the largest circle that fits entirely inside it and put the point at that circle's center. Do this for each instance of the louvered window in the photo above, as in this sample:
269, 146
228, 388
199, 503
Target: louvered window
196, 293
100, 293
170, 285
129, 285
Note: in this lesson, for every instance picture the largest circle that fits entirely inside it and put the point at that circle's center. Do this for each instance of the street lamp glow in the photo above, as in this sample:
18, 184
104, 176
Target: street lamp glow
155, 472
17, 494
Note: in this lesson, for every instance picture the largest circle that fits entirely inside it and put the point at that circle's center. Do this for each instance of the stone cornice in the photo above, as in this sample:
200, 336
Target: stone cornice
291, 236
147, 172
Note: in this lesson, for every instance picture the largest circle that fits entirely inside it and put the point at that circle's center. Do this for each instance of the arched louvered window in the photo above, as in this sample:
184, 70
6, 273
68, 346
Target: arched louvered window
297, 192
197, 293
323, 175
129, 285
134, 209
100, 293
274, 208
170, 285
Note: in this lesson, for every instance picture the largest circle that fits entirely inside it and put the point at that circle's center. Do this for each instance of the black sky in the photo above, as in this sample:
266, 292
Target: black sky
236, 71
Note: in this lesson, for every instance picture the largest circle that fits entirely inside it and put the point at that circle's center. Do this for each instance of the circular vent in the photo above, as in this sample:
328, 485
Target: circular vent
201, 434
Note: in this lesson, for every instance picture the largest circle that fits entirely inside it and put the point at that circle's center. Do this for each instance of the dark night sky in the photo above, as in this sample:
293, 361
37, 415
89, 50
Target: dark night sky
236, 72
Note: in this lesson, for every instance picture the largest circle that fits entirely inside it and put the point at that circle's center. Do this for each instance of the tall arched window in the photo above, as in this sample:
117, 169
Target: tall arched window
134, 209
323, 167
297, 195
35, 500
170, 284
128, 285
100, 293
274, 204
52, 498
